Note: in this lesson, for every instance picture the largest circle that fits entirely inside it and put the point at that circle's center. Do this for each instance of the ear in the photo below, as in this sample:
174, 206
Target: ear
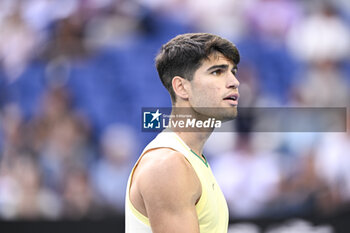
180, 87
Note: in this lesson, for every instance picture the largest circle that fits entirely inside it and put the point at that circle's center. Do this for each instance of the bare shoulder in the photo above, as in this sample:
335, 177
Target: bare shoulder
163, 160
166, 173
166, 189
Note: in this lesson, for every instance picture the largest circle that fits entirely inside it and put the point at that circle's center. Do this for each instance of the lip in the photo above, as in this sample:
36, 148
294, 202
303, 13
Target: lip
231, 101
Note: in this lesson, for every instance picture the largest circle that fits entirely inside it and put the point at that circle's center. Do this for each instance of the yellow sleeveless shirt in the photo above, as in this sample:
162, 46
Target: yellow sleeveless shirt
211, 208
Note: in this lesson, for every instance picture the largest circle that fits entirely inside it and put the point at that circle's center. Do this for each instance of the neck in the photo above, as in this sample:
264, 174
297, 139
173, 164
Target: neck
195, 139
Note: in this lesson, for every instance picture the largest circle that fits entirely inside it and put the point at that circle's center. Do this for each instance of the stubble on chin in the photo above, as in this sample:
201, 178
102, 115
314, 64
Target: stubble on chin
223, 114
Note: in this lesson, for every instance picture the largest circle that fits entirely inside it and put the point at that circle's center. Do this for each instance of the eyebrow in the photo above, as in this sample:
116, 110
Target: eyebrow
225, 67
218, 67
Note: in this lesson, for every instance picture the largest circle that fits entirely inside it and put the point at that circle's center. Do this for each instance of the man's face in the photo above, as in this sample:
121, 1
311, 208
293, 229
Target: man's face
214, 85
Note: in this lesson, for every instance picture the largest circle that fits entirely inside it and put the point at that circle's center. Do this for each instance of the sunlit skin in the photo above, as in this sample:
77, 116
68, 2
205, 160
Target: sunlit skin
212, 84
205, 96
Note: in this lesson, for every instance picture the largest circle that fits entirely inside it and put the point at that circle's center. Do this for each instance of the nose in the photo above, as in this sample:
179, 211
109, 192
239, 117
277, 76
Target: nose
232, 81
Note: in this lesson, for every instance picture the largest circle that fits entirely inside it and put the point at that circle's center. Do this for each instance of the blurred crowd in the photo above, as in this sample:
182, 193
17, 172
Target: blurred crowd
74, 75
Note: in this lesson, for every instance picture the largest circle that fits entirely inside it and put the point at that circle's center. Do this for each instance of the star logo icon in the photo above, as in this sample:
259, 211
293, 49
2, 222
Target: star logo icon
152, 119
155, 116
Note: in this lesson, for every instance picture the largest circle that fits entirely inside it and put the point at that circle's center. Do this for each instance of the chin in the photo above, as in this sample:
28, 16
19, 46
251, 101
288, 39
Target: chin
219, 113
227, 114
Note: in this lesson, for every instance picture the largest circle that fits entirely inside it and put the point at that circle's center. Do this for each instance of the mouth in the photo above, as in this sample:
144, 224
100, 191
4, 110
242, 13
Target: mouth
232, 99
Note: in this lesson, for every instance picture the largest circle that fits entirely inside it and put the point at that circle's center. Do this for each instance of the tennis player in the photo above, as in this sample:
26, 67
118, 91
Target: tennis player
171, 187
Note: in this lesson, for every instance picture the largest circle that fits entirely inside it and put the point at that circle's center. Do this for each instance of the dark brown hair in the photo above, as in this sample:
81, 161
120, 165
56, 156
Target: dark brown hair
184, 54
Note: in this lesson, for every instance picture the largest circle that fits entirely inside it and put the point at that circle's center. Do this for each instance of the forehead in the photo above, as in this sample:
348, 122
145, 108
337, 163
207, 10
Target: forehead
216, 59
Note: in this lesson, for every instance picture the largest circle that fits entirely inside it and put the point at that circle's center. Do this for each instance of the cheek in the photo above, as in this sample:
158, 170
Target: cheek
206, 96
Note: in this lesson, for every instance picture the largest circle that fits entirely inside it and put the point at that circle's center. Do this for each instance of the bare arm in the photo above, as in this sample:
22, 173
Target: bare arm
170, 188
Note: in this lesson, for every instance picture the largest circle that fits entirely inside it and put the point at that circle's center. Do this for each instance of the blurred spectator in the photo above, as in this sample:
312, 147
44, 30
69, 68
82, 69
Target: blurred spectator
40, 14
116, 25
271, 19
17, 43
254, 178
12, 125
78, 198
61, 137
321, 35
222, 17
34, 201
67, 39
322, 85
22, 195
9, 193
118, 148
263, 47
332, 166
298, 189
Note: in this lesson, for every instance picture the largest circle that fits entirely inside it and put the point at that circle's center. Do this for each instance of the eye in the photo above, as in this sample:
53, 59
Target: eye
234, 71
217, 72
